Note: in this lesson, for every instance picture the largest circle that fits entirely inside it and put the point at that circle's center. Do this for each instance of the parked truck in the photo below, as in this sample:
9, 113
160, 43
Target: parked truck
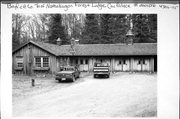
100, 70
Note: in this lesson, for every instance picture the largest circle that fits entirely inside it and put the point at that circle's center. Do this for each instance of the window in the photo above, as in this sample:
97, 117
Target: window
143, 61
38, 61
45, 62
81, 61
19, 64
86, 61
19, 61
124, 61
76, 61
42, 61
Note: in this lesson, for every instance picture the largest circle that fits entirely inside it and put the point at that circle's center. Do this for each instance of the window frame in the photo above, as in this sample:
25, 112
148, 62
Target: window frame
20, 61
37, 64
20, 65
42, 63
45, 63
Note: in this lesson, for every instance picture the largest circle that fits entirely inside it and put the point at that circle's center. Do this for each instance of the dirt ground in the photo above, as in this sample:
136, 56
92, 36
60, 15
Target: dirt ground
122, 95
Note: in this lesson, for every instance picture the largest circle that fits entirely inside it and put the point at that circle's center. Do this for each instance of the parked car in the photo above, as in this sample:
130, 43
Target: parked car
101, 70
68, 73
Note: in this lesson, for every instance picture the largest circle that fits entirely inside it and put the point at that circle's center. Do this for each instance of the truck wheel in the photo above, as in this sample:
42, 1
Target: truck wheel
73, 79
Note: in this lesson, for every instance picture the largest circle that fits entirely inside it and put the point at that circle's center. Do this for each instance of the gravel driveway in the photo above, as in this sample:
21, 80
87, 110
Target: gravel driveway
122, 95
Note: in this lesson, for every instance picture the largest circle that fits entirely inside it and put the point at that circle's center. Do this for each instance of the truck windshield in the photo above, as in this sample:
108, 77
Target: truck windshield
68, 69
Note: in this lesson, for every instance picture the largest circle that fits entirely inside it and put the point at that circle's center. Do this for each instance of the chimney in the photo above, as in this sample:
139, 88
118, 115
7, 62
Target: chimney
58, 41
129, 37
74, 41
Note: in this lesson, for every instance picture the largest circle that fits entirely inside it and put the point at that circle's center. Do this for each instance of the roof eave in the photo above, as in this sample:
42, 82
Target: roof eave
35, 45
109, 55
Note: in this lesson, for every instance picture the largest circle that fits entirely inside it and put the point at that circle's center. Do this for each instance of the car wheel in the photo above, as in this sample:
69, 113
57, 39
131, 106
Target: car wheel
94, 75
59, 80
73, 79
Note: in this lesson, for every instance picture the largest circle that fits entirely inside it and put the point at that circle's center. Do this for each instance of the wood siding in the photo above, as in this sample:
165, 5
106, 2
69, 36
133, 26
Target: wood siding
117, 63
86, 63
29, 52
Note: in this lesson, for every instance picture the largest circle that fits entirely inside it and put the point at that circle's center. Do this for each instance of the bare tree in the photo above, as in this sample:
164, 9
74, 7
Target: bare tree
17, 24
74, 24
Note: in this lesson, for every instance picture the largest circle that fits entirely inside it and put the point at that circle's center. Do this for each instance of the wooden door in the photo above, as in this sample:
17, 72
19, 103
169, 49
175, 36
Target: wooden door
122, 64
118, 65
145, 64
84, 64
125, 64
139, 65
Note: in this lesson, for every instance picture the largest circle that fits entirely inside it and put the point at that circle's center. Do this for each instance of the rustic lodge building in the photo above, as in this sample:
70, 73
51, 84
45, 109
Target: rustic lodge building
35, 57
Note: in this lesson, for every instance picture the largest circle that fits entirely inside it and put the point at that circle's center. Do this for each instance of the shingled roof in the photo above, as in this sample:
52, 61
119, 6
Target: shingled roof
98, 49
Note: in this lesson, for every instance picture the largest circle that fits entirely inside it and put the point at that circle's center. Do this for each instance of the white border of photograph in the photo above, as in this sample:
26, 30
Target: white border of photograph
168, 52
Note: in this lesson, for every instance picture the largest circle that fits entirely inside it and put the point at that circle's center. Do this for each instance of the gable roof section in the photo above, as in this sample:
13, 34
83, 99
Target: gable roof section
98, 49
41, 45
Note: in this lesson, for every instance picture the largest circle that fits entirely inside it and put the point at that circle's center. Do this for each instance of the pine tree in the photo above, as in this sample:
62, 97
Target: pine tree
117, 28
152, 24
105, 34
91, 34
145, 28
17, 24
57, 30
